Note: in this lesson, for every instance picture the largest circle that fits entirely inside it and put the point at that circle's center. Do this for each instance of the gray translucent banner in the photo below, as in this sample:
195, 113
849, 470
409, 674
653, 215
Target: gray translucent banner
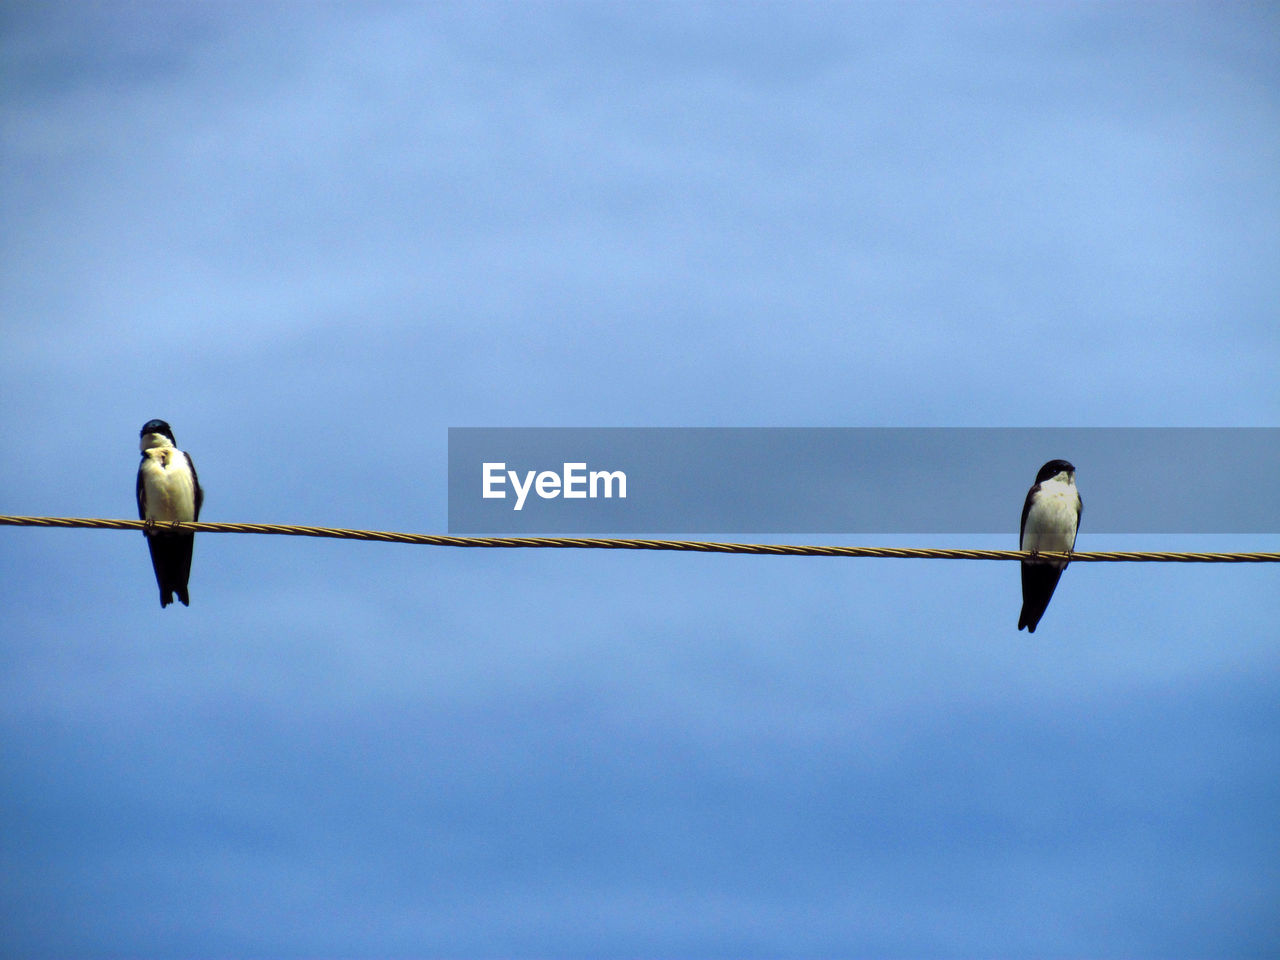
657, 480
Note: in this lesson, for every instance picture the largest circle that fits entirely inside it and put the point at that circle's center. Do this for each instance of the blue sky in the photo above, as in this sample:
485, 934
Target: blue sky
313, 237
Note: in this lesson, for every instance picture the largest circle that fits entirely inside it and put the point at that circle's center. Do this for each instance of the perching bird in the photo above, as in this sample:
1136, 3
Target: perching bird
1050, 519
168, 489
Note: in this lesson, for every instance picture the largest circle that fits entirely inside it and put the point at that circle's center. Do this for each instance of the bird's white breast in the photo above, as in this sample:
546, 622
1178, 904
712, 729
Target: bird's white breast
1053, 517
167, 483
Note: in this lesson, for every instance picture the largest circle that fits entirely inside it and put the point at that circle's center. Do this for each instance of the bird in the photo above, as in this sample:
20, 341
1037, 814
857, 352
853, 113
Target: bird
168, 489
1050, 520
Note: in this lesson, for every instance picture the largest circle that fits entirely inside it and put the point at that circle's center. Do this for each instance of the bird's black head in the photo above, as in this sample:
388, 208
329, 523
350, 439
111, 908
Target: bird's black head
1052, 469
157, 426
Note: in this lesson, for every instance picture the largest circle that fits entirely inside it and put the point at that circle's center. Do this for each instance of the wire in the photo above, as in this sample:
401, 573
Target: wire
691, 546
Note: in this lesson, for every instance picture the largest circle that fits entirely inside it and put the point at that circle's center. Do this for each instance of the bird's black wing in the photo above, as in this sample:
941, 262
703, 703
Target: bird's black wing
195, 482
1026, 509
142, 497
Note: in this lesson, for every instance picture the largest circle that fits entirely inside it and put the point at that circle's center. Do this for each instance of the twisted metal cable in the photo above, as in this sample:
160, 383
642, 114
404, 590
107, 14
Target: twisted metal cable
591, 543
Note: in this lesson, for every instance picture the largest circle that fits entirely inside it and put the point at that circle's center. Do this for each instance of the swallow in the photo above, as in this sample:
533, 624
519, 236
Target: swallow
1050, 519
168, 489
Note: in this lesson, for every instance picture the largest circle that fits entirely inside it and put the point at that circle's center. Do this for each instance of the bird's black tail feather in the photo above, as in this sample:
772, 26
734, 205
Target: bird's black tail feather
1039, 580
171, 561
